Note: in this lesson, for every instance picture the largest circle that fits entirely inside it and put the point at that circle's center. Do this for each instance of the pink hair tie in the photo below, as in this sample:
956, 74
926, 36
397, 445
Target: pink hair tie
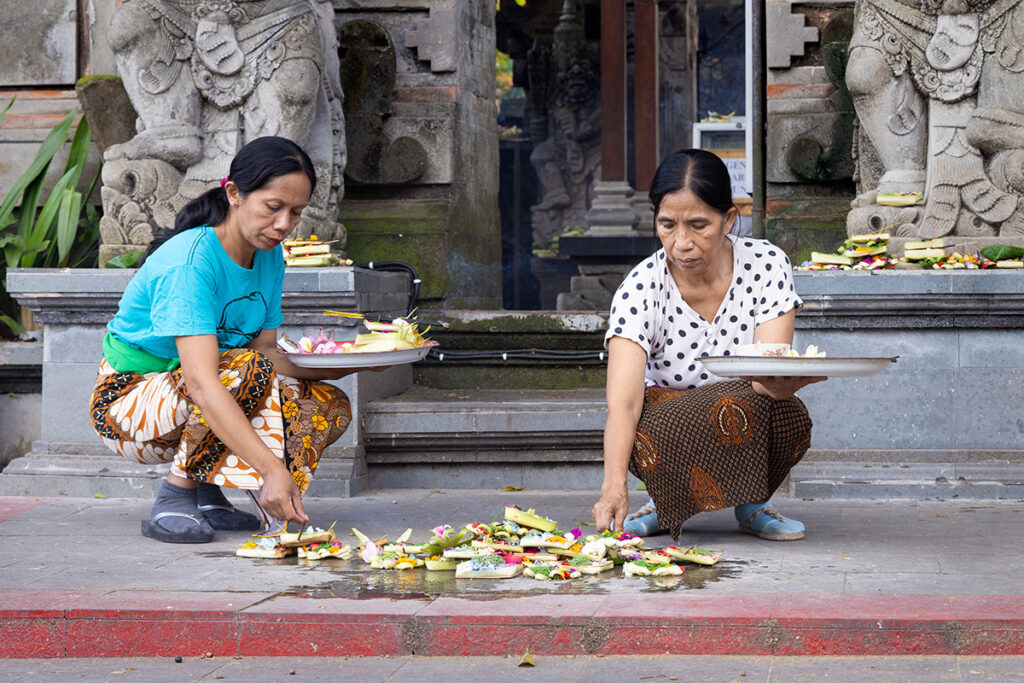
224, 181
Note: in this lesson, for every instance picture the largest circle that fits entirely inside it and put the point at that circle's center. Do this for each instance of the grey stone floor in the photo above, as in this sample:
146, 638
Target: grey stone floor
711, 669
885, 547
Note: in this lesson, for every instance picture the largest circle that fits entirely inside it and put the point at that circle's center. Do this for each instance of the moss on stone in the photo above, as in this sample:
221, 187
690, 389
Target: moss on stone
85, 80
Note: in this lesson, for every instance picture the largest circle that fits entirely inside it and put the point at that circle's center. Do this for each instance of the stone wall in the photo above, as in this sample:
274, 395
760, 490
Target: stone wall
810, 122
443, 221
431, 198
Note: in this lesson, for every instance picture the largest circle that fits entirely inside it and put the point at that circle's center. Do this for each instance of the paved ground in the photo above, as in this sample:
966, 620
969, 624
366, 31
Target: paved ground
657, 669
871, 577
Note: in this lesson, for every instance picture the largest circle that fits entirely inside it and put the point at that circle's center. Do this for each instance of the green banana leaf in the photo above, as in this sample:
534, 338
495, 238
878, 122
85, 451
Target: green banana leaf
51, 144
67, 222
41, 229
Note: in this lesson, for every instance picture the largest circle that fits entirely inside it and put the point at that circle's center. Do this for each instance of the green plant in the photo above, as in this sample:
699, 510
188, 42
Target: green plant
64, 231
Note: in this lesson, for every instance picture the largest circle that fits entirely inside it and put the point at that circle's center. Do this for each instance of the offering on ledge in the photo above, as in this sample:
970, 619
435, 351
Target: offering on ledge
311, 252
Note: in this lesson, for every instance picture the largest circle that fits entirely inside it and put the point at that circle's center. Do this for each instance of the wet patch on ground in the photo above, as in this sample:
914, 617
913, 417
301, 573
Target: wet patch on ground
342, 579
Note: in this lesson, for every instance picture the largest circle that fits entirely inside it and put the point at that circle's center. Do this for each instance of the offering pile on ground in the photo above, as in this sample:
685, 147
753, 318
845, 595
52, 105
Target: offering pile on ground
523, 542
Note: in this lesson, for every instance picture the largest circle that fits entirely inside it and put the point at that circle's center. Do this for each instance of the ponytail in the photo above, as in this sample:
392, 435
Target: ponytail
209, 208
255, 165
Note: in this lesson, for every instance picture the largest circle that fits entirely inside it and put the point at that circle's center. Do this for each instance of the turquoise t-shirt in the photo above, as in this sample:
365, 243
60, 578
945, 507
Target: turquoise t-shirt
190, 286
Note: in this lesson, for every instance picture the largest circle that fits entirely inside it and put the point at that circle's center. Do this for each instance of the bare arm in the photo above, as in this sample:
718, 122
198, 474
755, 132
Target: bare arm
779, 331
200, 358
625, 398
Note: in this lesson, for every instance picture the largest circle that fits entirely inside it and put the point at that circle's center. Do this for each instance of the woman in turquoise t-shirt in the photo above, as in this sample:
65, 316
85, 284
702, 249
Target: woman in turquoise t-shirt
191, 374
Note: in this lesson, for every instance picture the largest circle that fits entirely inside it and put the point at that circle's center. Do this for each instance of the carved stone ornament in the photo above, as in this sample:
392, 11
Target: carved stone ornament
939, 92
206, 77
564, 88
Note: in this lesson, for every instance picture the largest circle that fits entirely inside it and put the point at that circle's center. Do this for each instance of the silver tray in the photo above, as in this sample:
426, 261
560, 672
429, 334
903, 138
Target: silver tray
774, 366
356, 359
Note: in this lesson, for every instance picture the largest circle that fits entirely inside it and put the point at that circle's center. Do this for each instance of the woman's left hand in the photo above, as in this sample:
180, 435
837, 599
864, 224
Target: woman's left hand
781, 387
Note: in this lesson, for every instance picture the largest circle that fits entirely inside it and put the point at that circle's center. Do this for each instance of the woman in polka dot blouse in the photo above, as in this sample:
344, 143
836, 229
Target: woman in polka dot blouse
698, 442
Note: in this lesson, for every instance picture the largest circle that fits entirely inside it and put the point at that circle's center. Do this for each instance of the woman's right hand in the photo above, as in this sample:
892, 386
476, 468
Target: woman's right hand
612, 508
280, 496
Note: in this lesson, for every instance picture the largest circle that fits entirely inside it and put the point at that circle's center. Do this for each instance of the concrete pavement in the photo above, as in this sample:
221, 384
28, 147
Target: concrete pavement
570, 668
871, 578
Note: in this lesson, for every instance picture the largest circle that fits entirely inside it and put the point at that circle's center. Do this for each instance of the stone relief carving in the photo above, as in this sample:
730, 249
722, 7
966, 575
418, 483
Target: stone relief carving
788, 34
368, 72
821, 151
205, 77
435, 39
564, 93
939, 92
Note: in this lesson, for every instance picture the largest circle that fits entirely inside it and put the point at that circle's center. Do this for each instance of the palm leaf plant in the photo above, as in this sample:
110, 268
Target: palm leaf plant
61, 233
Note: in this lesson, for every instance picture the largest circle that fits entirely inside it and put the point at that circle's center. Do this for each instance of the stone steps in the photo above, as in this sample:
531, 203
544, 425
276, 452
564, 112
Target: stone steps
485, 439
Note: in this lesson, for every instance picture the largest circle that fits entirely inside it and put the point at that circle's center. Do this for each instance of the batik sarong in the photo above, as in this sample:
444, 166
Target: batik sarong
151, 419
715, 447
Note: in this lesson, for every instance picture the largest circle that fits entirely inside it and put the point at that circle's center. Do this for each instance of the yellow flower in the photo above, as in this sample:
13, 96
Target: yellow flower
302, 478
291, 409
239, 359
319, 423
307, 441
202, 420
320, 394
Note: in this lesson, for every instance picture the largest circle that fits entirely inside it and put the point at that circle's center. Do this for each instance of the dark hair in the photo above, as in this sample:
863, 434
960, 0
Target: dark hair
696, 170
255, 165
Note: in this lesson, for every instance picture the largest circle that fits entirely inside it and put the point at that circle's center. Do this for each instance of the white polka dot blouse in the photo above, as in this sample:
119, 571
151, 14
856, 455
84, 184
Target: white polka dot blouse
649, 310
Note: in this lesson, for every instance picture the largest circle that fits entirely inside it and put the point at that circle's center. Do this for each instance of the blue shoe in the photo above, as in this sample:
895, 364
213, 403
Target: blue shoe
764, 521
643, 522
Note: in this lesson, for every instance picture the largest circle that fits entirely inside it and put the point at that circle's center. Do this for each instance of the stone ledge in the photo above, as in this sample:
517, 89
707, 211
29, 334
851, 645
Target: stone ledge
91, 295
84, 476
21, 353
901, 458
21, 368
941, 480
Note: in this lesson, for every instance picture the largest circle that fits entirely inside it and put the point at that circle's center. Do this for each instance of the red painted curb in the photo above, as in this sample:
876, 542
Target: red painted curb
154, 624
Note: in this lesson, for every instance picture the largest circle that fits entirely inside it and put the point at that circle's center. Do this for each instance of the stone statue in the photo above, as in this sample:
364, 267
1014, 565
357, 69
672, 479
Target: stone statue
568, 158
938, 87
205, 77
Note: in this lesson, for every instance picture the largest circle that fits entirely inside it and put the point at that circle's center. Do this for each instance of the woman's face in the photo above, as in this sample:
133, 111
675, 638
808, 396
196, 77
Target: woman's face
265, 217
692, 232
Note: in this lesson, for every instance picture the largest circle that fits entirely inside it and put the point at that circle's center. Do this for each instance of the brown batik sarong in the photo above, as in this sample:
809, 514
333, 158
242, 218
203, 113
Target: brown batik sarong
715, 447
152, 419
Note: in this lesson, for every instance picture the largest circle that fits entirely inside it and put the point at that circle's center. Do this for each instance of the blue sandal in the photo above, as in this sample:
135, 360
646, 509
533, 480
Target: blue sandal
764, 521
643, 522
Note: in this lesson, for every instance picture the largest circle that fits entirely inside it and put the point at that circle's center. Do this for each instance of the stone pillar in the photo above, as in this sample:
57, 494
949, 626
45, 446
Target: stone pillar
611, 212
74, 307
645, 92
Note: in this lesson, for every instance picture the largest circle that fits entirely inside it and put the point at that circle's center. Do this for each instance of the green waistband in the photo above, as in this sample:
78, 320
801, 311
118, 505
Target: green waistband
124, 358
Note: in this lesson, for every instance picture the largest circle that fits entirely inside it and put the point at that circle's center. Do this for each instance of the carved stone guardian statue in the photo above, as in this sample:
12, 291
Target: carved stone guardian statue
567, 127
205, 77
938, 87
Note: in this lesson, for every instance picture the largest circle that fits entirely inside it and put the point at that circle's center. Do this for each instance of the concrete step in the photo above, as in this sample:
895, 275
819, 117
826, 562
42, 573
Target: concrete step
484, 439
937, 480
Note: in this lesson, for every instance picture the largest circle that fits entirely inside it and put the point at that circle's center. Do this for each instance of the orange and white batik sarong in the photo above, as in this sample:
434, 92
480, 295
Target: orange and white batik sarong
151, 419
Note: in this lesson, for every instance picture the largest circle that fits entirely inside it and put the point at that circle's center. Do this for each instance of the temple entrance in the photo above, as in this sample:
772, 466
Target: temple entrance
688, 91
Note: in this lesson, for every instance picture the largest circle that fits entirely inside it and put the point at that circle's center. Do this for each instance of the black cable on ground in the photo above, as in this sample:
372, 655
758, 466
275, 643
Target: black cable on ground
518, 354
